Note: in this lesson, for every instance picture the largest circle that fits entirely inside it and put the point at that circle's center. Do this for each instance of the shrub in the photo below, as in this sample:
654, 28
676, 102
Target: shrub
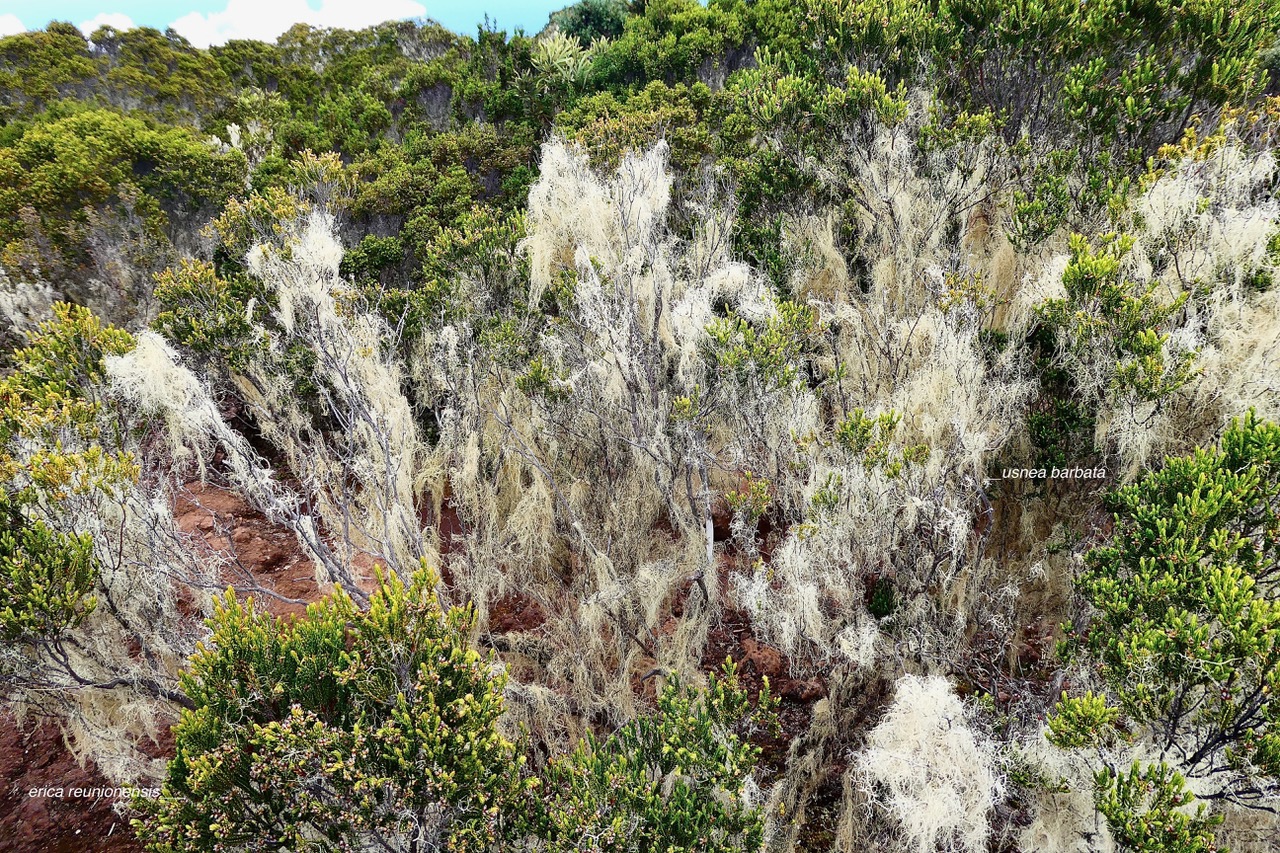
46, 577
1110, 330
673, 781
67, 168
340, 730
589, 20
671, 41
1185, 630
1145, 809
96, 586
212, 316
50, 430
608, 128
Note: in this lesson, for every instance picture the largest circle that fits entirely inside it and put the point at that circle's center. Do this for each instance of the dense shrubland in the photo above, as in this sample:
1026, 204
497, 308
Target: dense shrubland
681, 331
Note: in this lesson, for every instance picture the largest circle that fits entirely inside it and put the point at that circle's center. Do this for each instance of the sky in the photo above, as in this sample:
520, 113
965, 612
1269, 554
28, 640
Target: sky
206, 22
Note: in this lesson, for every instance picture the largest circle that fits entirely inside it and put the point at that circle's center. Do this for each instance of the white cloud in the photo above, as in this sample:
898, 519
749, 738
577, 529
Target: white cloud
107, 19
255, 19
10, 25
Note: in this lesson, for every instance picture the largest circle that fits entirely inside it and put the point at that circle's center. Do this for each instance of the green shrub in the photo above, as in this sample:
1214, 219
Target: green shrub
1146, 811
210, 315
607, 128
1110, 327
338, 730
51, 447
589, 20
46, 577
1185, 628
670, 41
67, 168
673, 781
40, 68
772, 353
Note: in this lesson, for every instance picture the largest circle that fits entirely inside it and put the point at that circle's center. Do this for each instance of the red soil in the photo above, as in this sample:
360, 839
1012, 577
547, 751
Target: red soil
269, 565
46, 822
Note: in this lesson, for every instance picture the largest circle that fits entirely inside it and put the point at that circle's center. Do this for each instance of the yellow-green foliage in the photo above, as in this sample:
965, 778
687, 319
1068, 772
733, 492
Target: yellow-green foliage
1185, 627
1147, 811
340, 729
50, 425
64, 170
89, 575
141, 67
671, 781
770, 356
46, 577
670, 41
211, 315
872, 437
1111, 329
1080, 721
38, 68
607, 127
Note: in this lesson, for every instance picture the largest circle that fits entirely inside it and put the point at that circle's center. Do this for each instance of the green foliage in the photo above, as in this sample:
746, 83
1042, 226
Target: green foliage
1041, 208
140, 68
480, 248
772, 355
1060, 426
889, 36
871, 439
1126, 76
752, 499
1081, 721
340, 729
159, 71
542, 380
1107, 321
562, 59
420, 185
51, 448
778, 97
883, 599
268, 216
607, 126
672, 781
65, 169
212, 316
589, 20
263, 217
46, 577
670, 41
366, 260
482, 245
52, 395
39, 68
1146, 811
1186, 625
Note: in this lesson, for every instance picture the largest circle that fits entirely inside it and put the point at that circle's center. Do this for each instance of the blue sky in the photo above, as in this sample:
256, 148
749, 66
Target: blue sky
213, 21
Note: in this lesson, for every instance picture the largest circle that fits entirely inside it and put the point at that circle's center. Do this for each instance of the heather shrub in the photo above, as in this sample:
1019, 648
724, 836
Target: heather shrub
1182, 629
679, 778
339, 730
93, 566
1146, 809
